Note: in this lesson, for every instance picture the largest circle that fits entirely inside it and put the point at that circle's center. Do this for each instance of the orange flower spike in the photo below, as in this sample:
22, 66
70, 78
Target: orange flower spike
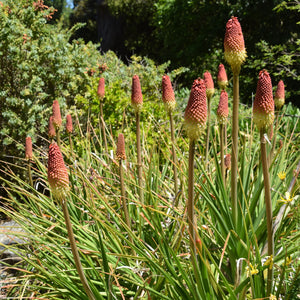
57, 121
209, 83
168, 96
136, 94
101, 89
228, 161
222, 111
263, 106
279, 95
196, 111
120, 153
51, 128
222, 77
69, 124
28, 148
58, 176
234, 45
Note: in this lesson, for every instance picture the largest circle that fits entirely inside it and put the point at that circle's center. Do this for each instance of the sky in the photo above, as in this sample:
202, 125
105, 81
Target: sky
70, 3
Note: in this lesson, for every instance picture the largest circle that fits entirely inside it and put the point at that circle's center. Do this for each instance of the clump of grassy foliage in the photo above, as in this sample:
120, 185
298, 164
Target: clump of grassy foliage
150, 257
152, 261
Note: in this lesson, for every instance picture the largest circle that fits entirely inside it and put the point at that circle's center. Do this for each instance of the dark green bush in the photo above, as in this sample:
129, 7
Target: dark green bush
37, 65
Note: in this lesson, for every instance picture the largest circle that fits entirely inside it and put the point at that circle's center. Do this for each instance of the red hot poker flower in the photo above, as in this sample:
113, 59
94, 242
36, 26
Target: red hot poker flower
58, 176
209, 83
168, 96
69, 124
234, 45
136, 94
228, 161
222, 77
101, 88
28, 148
279, 95
263, 106
120, 153
222, 111
57, 121
196, 110
51, 128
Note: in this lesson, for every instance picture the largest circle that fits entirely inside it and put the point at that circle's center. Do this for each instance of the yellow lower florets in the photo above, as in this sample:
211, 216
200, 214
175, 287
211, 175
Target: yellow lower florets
194, 130
235, 59
263, 121
170, 106
279, 102
137, 107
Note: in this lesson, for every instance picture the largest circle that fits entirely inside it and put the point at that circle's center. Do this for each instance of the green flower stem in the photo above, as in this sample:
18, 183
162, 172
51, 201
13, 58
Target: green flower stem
268, 202
225, 136
139, 158
222, 137
29, 173
121, 172
75, 251
103, 126
190, 204
207, 130
174, 158
234, 151
71, 145
274, 138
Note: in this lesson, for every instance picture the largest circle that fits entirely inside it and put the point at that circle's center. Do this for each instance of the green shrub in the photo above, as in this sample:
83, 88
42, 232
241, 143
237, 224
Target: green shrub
37, 65
117, 103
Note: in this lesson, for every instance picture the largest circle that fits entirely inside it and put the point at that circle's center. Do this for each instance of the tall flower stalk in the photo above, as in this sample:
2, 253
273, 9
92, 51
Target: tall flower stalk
235, 55
58, 178
222, 114
137, 104
195, 119
263, 117
168, 98
56, 120
279, 100
69, 130
209, 93
120, 154
29, 156
101, 96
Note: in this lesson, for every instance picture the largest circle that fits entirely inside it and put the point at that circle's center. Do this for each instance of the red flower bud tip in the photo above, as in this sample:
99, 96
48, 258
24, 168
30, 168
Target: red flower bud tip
69, 124
58, 176
279, 95
168, 96
121, 147
222, 111
234, 45
209, 83
51, 128
227, 161
101, 88
263, 106
136, 94
196, 110
222, 77
56, 114
28, 148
